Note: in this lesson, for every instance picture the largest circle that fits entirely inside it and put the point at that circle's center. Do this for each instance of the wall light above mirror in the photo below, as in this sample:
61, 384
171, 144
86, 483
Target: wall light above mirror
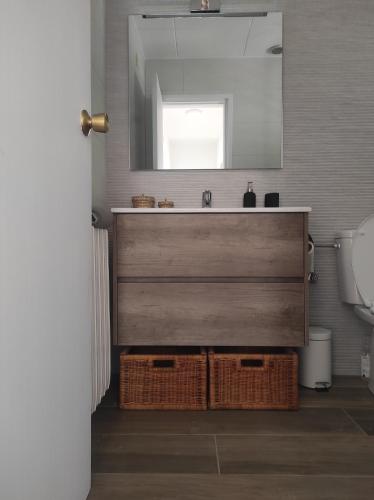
205, 92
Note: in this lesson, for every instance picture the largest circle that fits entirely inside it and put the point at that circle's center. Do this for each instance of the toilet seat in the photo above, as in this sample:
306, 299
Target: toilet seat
363, 261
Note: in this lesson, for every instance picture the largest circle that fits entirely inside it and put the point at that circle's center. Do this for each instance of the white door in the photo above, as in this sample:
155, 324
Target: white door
45, 249
157, 124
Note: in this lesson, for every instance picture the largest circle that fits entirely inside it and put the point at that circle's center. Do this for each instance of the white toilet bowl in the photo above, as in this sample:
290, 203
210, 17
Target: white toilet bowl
356, 275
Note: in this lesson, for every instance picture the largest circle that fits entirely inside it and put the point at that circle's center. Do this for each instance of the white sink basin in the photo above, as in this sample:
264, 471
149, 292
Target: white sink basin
365, 314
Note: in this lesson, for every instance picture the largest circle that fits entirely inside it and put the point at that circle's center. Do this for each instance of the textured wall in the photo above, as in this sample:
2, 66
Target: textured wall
328, 137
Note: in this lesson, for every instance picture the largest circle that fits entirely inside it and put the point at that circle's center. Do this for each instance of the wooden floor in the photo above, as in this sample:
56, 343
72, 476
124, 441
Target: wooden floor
324, 451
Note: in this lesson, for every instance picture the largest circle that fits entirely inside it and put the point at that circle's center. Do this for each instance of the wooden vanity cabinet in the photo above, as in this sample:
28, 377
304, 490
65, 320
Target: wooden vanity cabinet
228, 279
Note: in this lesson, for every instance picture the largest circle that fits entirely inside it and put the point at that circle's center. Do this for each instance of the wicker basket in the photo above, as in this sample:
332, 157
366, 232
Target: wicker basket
166, 203
143, 201
163, 379
260, 379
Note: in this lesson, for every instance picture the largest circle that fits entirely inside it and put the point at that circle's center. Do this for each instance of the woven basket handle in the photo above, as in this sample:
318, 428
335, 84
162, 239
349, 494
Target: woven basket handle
252, 363
163, 363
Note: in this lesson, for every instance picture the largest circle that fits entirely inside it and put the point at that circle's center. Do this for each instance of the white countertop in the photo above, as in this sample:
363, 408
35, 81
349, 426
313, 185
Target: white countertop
208, 210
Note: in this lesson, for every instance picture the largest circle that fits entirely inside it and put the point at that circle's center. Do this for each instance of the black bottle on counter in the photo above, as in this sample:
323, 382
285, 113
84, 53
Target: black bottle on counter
249, 198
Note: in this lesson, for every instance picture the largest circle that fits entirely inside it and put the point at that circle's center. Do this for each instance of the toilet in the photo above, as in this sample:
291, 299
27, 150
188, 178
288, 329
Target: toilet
355, 260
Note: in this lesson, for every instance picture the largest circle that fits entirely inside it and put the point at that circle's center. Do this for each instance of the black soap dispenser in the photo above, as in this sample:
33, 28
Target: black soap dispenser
249, 198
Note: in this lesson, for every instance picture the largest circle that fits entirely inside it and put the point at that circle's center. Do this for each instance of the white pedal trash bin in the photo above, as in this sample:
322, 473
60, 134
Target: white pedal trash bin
315, 359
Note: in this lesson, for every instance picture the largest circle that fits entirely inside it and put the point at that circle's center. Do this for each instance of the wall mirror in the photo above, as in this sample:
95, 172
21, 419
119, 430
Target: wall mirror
205, 92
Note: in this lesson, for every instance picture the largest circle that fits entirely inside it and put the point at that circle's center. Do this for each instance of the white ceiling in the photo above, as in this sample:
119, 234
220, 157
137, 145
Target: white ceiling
210, 37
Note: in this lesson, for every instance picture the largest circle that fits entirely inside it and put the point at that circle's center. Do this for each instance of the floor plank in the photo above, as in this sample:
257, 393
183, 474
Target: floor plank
364, 417
304, 421
208, 487
300, 455
155, 454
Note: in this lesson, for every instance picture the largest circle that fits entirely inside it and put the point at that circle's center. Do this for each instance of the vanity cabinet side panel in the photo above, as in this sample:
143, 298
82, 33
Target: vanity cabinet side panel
269, 245
306, 280
115, 284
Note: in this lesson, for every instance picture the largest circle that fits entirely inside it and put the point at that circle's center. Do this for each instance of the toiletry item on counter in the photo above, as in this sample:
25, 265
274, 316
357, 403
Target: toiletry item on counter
206, 199
143, 201
249, 198
166, 203
272, 200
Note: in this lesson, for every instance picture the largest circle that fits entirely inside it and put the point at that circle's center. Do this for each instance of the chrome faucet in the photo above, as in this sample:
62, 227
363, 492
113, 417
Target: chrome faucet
207, 199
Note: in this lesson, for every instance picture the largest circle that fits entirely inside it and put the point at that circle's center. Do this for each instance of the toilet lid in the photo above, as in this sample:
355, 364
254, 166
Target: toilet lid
363, 260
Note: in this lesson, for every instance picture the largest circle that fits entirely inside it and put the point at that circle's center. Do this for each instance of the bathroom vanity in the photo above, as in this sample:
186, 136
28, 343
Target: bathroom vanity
210, 277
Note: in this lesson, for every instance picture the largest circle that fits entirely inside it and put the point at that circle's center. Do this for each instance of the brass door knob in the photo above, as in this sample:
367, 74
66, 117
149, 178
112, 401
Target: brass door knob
98, 123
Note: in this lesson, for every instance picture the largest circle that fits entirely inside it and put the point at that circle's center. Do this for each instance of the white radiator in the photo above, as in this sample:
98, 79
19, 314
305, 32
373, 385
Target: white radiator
100, 349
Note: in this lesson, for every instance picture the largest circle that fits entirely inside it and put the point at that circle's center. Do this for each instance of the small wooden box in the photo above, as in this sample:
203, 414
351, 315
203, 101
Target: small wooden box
163, 379
245, 378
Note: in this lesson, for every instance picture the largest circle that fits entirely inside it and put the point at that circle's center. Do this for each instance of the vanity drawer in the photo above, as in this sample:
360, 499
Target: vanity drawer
210, 245
208, 314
